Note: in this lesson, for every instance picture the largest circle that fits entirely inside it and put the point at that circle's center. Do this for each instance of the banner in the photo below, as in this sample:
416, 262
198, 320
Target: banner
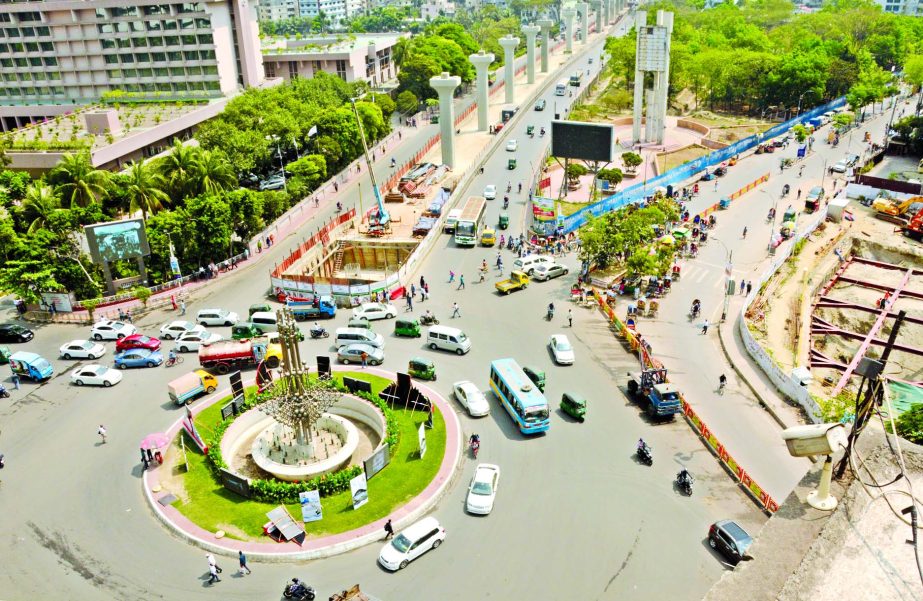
543, 208
545, 182
311, 510
189, 427
359, 487
422, 435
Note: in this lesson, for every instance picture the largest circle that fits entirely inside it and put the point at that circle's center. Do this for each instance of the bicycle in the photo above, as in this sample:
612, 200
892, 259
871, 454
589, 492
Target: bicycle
174, 361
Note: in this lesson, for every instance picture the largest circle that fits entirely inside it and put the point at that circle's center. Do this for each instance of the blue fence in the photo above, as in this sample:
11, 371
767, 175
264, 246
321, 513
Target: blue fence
675, 176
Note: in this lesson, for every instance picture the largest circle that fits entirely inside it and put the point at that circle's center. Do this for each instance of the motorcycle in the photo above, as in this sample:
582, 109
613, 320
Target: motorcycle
4, 393
509, 243
429, 320
298, 591
550, 315
684, 481
509, 187
475, 447
644, 455
506, 202
319, 332
541, 133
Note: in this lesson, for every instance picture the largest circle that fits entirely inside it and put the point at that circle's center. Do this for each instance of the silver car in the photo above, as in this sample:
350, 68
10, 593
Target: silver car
352, 353
547, 271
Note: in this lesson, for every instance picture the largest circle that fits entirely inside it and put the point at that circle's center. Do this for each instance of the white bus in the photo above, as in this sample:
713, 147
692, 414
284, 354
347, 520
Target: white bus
561, 88
466, 229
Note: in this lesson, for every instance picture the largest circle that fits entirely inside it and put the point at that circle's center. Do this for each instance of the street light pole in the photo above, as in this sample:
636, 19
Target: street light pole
728, 271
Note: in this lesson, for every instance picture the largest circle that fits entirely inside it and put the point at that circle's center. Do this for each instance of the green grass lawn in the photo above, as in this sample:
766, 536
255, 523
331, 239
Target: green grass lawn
213, 507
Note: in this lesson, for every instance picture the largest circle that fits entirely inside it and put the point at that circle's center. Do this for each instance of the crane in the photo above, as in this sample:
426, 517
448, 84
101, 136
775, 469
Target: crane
383, 218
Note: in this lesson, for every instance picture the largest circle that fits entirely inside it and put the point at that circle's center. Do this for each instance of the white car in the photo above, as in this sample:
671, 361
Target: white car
413, 542
841, 166
373, 311
546, 271
82, 349
216, 317
512, 145
175, 328
490, 192
561, 349
96, 375
483, 489
471, 398
111, 330
192, 340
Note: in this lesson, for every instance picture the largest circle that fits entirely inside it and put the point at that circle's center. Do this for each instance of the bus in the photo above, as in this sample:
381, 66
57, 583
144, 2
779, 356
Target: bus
561, 88
576, 79
519, 396
466, 229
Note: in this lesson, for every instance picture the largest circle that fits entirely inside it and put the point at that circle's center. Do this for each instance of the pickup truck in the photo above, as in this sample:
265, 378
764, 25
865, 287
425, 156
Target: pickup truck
185, 389
659, 398
305, 309
226, 355
518, 280
32, 366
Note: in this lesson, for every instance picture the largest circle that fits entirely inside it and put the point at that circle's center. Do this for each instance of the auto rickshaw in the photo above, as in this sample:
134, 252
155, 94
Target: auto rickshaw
245, 330
359, 322
574, 405
511, 164
790, 214
536, 375
488, 237
421, 368
407, 327
4, 355
504, 221
530, 130
259, 308
724, 203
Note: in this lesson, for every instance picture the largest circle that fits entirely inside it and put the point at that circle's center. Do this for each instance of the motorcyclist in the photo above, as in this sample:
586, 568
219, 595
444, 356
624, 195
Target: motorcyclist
298, 588
541, 132
506, 201
475, 439
428, 317
393, 162
550, 310
642, 446
316, 329
339, 206
171, 357
502, 240
722, 382
684, 477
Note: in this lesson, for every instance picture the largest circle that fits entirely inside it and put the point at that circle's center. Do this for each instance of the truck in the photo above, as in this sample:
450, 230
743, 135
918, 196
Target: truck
184, 389
223, 356
652, 391
320, 306
518, 280
31, 366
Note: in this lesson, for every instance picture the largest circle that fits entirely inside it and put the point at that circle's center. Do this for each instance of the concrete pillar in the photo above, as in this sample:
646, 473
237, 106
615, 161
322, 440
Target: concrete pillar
640, 21
584, 9
662, 81
545, 24
598, 9
509, 45
607, 15
531, 31
445, 85
481, 62
569, 13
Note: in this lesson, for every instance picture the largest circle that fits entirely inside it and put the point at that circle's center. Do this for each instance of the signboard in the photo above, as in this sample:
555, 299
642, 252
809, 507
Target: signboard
117, 240
227, 411
652, 48
323, 367
421, 433
582, 141
237, 385
311, 510
189, 427
545, 182
377, 461
543, 208
359, 488
353, 385
235, 483
62, 301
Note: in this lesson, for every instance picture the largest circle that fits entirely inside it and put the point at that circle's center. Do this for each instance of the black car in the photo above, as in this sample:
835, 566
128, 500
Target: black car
10, 332
729, 539
540, 105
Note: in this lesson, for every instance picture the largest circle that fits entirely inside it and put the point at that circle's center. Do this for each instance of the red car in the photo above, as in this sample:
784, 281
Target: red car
137, 341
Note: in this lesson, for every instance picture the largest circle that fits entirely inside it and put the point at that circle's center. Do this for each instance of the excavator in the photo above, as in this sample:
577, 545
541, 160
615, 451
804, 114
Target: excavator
914, 228
894, 211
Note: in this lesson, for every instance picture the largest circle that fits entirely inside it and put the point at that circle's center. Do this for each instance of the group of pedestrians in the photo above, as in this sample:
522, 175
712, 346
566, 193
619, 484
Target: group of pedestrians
214, 569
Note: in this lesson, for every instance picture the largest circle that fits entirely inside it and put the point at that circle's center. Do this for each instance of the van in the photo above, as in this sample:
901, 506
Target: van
528, 264
448, 339
413, 542
451, 220
264, 321
344, 336
561, 88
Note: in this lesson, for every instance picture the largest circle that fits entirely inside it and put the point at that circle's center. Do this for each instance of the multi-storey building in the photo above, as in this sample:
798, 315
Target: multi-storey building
336, 10
902, 7
277, 10
55, 54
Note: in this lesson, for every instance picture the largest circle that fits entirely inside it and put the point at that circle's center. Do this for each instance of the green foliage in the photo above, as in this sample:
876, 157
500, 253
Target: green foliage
384, 102
834, 409
910, 424
76, 181
407, 102
801, 133
575, 171
381, 19
798, 247
30, 145
142, 293
910, 130
90, 305
631, 160
445, 47
613, 176
629, 231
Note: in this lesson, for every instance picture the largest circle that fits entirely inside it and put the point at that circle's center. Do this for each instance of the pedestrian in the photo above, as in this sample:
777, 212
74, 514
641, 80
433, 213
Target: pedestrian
144, 461
182, 307
102, 433
336, 187
422, 282
242, 559
128, 315
173, 301
389, 530
413, 290
749, 286
716, 184
800, 170
799, 194
15, 379
743, 285
409, 303
451, 276
455, 311
53, 308
461, 282
705, 327
259, 246
570, 318
213, 569
365, 359
150, 456
745, 232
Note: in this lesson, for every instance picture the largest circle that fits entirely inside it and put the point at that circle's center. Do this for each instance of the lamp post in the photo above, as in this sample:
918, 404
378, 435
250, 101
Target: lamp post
798, 112
274, 138
728, 272
772, 225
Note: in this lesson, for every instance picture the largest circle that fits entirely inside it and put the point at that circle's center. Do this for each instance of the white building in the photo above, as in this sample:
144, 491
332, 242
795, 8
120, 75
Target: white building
277, 10
902, 7
354, 57
436, 8
336, 10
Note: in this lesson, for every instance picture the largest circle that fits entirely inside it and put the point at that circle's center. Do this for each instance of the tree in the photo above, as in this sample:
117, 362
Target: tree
144, 189
574, 172
801, 133
212, 218
631, 160
246, 212
213, 173
407, 102
913, 70
311, 169
178, 169
384, 102
416, 73
613, 176
38, 206
910, 424
76, 181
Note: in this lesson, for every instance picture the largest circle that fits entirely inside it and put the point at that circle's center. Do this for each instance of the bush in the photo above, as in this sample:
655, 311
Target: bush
910, 424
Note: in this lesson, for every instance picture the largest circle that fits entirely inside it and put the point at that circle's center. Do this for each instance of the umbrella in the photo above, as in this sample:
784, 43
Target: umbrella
157, 440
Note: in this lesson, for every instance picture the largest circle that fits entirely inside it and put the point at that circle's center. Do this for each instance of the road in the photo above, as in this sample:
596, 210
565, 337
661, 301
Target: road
573, 501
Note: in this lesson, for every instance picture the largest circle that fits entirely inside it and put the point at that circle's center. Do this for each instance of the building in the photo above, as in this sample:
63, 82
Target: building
277, 10
902, 7
353, 57
436, 8
335, 10
58, 54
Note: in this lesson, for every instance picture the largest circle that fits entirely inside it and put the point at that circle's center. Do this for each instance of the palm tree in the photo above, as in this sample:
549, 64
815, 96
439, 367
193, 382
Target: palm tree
38, 204
144, 188
77, 181
178, 168
214, 173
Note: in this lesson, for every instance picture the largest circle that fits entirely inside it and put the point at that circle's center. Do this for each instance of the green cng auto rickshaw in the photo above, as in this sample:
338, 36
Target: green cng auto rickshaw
573, 405
359, 322
511, 164
530, 130
504, 221
259, 308
4, 355
421, 368
407, 327
245, 330
536, 375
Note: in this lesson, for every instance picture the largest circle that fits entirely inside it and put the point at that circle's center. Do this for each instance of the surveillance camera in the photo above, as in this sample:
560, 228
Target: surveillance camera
815, 439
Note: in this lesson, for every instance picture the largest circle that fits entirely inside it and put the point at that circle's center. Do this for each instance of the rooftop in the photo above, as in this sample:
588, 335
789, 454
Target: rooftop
329, 44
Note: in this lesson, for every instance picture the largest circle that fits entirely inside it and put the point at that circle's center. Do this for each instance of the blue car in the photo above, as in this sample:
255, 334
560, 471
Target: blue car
138, 357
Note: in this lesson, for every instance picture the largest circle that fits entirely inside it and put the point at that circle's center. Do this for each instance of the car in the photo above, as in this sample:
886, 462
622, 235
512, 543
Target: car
540, 105
137, 341
192, 340
272, 183
175, 328
373, 311
512, 145
490, 192
112, 330
471, 398
95, 375
138, 357
411, 543
352, 353
11, 332
852, 159
82, 349
483, 489
561, 349
729, 539
547, 271
840, 167
216, 317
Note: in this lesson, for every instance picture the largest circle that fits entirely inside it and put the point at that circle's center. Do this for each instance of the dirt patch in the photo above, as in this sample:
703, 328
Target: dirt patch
669, 160
172, 479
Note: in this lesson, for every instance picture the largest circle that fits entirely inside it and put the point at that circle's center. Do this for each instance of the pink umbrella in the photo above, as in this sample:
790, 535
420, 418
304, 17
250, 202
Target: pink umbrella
157, 440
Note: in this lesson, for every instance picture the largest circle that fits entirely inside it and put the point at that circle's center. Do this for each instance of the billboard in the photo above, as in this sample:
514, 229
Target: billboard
117, 240
311, 509
582, 141
359, 488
